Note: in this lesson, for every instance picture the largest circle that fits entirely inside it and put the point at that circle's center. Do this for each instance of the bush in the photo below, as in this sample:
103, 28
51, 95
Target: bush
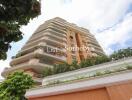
47, 71
74, 65
129, 67
60, 68
15, 85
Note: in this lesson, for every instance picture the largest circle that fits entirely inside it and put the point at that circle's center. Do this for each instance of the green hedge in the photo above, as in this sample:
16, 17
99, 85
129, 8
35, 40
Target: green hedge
60, 68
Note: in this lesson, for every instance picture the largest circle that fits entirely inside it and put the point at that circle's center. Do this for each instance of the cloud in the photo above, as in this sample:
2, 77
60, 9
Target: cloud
109, 20
118, 34
99, 15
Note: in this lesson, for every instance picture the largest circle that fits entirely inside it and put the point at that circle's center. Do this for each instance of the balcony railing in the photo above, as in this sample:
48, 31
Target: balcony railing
57, 30
56, 37
32, 43
55, 42
55, 53
57, 33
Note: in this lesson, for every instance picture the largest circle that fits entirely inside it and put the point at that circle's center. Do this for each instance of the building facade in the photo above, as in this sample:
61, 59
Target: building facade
54, 42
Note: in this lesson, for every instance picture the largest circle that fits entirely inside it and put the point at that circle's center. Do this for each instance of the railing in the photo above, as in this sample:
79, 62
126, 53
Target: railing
56, 48
57, 33
56, 37
21, 64
55, 42
32, 43
62, 55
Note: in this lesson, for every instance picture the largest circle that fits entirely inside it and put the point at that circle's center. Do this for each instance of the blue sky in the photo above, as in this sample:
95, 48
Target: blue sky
109, 20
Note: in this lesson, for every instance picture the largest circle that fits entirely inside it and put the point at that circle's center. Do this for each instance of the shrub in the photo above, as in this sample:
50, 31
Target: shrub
60, 68
129, 67
47, 71
15, 85
74, 65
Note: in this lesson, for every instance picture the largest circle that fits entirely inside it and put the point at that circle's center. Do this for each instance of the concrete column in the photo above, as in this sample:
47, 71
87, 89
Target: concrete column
80, 44
77, 51
69, 56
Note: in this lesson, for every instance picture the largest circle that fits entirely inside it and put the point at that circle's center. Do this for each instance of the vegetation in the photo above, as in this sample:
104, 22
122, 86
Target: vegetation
15, 85
60, 68
47, 71
94, 61
97, 74
14, 14
121, 54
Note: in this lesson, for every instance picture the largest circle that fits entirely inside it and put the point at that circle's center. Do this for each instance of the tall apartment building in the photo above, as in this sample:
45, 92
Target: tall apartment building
54, 42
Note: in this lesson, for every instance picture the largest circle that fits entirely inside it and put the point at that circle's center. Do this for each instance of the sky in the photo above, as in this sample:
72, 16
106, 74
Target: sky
109, 20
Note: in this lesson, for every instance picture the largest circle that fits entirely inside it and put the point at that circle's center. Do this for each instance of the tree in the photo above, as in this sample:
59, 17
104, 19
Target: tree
121, 53
14, 14
15, 85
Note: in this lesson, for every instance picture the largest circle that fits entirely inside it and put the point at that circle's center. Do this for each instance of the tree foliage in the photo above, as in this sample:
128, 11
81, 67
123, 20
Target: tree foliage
15, 85
14, 14
121, 53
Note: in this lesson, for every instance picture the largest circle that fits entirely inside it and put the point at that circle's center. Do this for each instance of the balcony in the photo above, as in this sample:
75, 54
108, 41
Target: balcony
22, 58
59, 24
58, 56
36, 37
56, 37
60, 40
56, 48
38, 67
41, 45
58, 27
32, 43
55, 42
42, 39
94, 43
88, 35
57, 30
96, 47
55, 53
56, 33
98, 52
